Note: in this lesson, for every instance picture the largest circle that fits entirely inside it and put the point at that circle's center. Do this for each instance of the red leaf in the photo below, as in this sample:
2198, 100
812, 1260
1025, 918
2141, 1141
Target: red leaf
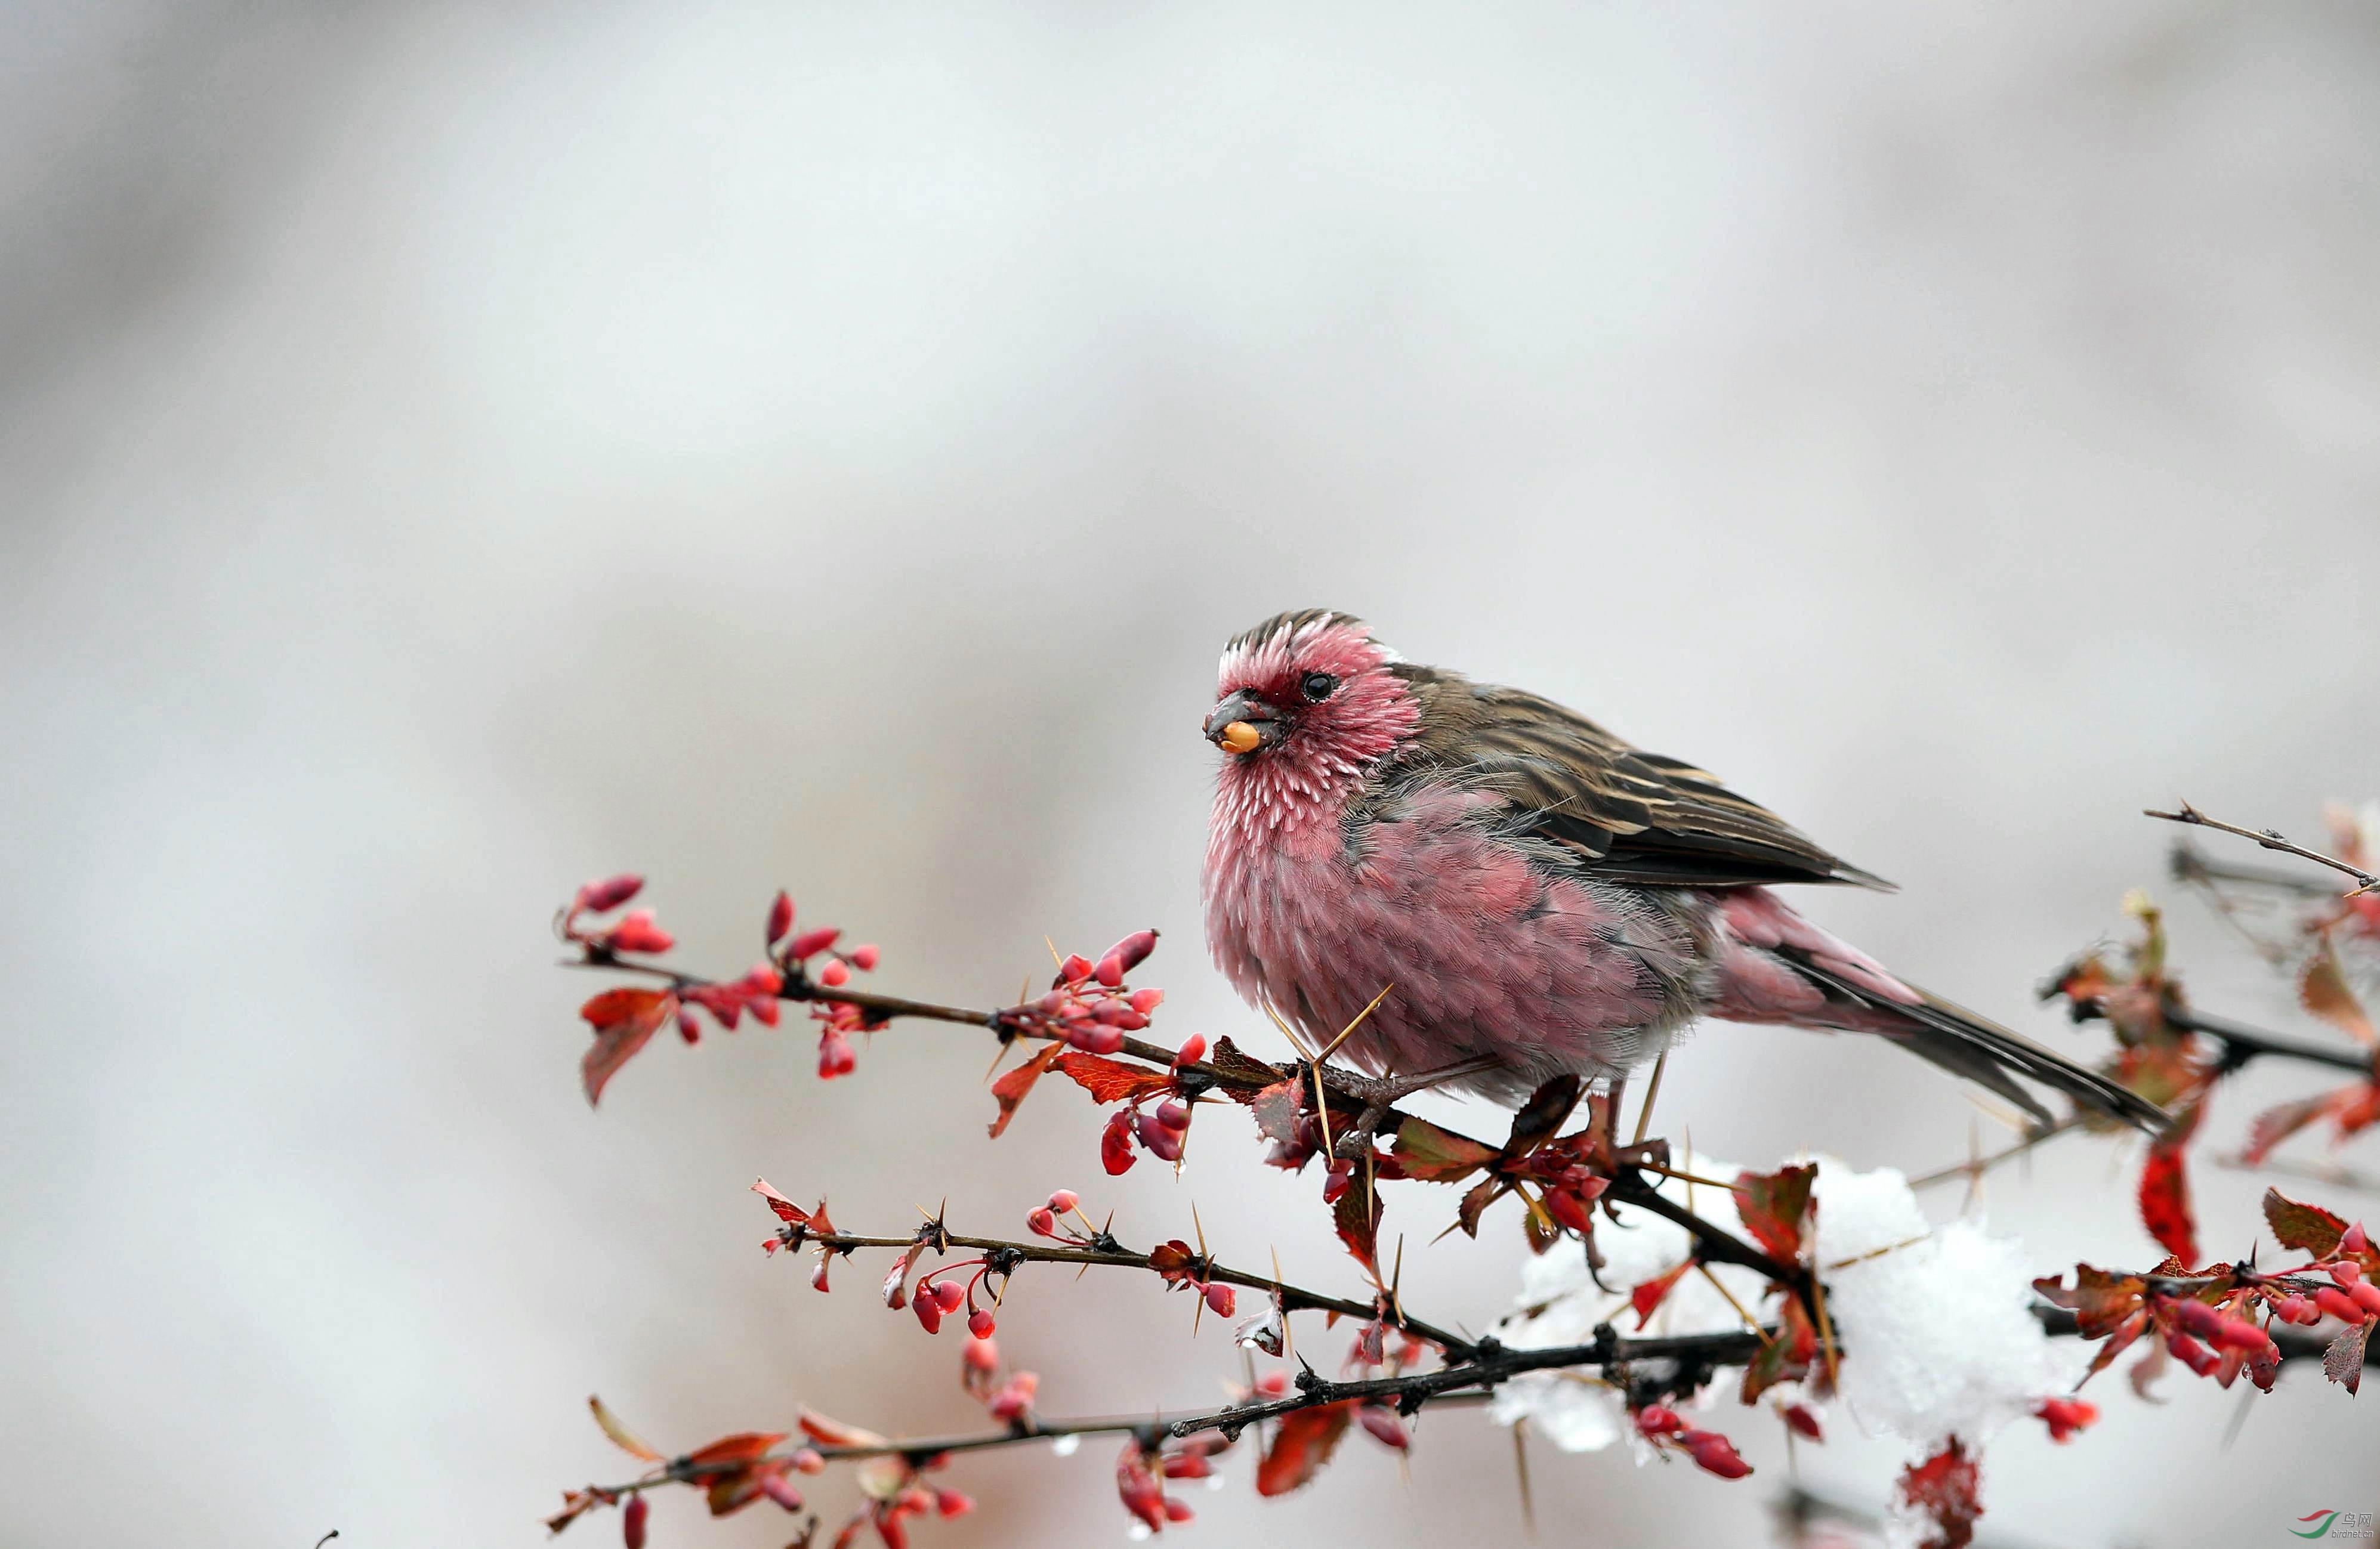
1010, 1089
1110, 1081
624, 1020
1357, 1216
1436, 1155
745, 1446
1647, 1298
786, 1209
2165, 1203
1946, 1487
834, 1433
2307, 1227
1776, 1207
1302, 1442
2277, 1124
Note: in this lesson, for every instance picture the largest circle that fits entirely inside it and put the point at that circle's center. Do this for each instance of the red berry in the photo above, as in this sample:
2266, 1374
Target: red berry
1194, 1047
1144, 1000
1715, 1454
949, 1293
2346, 1272
1040, 1222
2190, 1353
864, 957
1220, 1298
1178, 1510
1174, 1115
1093, 1038
1133, 950
1063, 1201
781, 917
952, 1503
1115, 1144
982, 1356
929, 1309
1335, 1181
1075, 968
2338, 1304
1805, 1421
1656, 1421
632, 1522
2366, 1295
638, 933
688, 1028
2354, 1242
600, 898
809, 1459
834, 975
1110, 971
1386, 1427
781, 1490
809, 943
835, 1056
980, 1324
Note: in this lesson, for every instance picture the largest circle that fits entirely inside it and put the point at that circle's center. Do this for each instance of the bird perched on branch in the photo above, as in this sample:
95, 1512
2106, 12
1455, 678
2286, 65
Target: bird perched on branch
1535, 896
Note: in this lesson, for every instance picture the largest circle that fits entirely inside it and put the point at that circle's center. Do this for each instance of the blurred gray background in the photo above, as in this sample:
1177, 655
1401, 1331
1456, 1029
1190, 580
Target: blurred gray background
452, 451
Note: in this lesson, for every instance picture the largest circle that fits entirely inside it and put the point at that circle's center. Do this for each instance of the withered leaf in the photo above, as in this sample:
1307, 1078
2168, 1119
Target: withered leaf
2323, 990
622, 1437
1243, 1075
2343, 1361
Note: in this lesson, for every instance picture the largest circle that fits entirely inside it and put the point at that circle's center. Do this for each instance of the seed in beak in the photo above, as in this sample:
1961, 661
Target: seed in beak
1241, 737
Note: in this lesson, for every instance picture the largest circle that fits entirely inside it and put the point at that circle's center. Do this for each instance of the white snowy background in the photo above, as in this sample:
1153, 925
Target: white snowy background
452, 450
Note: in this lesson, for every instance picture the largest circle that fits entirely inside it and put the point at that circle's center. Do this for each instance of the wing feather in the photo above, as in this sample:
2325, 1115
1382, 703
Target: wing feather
1633, 815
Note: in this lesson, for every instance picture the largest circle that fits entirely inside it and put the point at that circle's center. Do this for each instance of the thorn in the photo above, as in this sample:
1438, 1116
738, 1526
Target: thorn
1644, 1114
1345, 1031
1521, 1472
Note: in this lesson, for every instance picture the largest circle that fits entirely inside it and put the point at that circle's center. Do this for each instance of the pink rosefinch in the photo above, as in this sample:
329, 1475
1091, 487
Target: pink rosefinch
1535, 895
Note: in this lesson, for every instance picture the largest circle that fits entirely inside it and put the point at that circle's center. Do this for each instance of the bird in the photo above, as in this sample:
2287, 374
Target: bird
1517, 894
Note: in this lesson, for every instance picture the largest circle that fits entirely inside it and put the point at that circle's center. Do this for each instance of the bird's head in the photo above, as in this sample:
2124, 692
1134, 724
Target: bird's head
1312, 697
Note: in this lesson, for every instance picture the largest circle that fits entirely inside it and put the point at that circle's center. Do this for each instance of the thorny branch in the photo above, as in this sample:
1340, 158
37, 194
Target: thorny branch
2271, 839
1689, 1356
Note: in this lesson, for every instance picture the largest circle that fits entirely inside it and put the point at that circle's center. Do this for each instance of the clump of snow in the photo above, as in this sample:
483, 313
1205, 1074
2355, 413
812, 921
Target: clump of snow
1559, 1304
1935, 1322
1938, 1335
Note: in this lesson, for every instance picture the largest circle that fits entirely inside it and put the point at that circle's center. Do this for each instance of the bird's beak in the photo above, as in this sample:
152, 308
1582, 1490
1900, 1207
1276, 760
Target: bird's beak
1242, 724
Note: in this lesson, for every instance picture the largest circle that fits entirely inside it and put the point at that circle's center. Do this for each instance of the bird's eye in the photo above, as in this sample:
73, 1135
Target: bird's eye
1317, 686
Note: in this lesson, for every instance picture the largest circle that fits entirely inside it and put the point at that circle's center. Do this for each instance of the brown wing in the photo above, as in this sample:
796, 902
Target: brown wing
1631, 816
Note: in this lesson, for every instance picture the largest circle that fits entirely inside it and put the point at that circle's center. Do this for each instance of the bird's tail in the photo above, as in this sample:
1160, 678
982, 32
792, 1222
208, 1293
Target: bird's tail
1978, 1049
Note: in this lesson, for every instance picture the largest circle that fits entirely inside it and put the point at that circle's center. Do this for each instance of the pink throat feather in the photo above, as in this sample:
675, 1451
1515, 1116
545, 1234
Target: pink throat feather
1280, 796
